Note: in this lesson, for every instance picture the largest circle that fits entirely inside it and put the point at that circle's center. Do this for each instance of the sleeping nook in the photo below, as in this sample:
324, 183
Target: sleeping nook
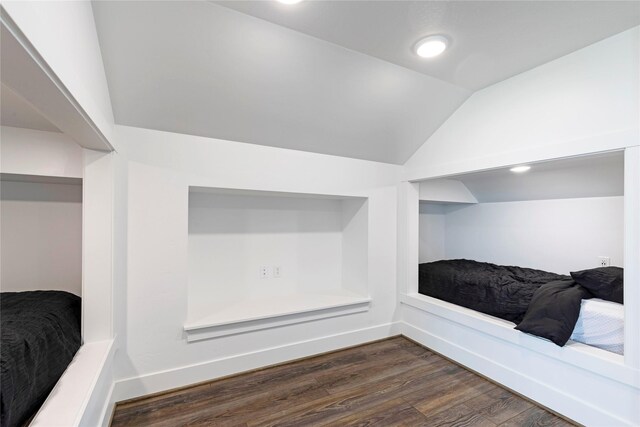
319, 213
538, 245
529, 265
41, 267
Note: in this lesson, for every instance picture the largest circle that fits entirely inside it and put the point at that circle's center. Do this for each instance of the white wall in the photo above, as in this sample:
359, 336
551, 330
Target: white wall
584, 102
431, 246
161, 168
64, 34
559, 235
231, 237
40, 237
34, 152
41, 222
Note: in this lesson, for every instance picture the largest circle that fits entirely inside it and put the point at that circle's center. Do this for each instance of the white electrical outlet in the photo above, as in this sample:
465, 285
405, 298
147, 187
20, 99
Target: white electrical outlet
277, 271
265, 272
604, 261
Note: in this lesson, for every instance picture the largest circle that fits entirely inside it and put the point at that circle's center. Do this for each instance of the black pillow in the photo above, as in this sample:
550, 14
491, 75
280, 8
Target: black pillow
602, 282
554, 310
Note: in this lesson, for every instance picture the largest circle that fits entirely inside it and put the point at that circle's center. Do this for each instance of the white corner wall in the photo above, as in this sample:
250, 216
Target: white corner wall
161, 168
584, 102
40, 237
559, 235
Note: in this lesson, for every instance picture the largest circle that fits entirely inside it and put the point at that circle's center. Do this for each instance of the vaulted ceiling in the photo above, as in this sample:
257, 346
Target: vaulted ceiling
333, 77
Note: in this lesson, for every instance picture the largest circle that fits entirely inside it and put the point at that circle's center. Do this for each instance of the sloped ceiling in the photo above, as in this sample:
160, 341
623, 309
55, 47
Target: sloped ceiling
489, 40
18, 113
202, 69
301, 82
598, 175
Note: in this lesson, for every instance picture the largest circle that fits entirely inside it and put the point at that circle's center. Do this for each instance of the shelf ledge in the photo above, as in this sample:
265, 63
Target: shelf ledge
313, 308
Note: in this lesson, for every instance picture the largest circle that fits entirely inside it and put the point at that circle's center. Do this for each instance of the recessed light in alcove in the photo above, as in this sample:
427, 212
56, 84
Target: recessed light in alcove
520, 169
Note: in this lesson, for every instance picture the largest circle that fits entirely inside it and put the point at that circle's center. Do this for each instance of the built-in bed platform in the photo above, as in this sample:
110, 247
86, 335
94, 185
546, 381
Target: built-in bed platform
545, 304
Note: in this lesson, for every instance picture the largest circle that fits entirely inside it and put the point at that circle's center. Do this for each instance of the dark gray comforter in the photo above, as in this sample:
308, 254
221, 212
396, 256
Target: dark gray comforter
40, 336
540, 303
498, 290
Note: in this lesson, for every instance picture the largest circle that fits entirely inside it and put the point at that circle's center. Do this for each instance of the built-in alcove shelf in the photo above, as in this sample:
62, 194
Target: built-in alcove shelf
269, 312
259, 259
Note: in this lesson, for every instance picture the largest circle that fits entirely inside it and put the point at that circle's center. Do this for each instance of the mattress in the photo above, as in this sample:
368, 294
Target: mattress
601, 324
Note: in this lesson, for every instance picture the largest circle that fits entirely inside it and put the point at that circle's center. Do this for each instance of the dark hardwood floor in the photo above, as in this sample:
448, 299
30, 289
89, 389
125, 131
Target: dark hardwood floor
387, 383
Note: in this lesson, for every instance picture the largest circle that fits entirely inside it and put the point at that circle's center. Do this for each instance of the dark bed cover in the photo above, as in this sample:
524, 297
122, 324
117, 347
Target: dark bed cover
508, 293
501, 291
40, 336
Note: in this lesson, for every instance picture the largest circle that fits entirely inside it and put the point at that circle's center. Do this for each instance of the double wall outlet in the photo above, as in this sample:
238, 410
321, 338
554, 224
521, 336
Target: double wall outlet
267, 271
604, 261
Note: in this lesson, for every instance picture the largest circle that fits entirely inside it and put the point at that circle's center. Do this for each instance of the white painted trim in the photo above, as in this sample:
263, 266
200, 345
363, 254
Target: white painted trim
98, 400
632, 256
155, 382
408, 243
245, 191
202, 331
595, 360
612, 141
565, 403
97, 246
77, 392
108, 408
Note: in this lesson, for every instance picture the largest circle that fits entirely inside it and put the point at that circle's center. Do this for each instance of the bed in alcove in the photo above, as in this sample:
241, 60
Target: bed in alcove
40, 313
503, 242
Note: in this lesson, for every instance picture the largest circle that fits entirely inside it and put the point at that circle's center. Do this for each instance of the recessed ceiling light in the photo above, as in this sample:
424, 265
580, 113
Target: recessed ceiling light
520, 169
431, 46
289, 1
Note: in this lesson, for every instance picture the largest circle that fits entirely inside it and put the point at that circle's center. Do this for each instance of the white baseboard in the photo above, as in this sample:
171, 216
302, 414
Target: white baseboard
109, 407
564, 401
130, 388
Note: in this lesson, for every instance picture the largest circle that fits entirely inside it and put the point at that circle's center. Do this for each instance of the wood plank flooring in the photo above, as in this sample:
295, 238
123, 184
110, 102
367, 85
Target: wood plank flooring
394, 382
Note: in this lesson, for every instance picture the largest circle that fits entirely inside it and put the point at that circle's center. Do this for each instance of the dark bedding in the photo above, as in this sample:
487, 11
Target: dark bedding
554, 311
40, 336
541, 303
500, 291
